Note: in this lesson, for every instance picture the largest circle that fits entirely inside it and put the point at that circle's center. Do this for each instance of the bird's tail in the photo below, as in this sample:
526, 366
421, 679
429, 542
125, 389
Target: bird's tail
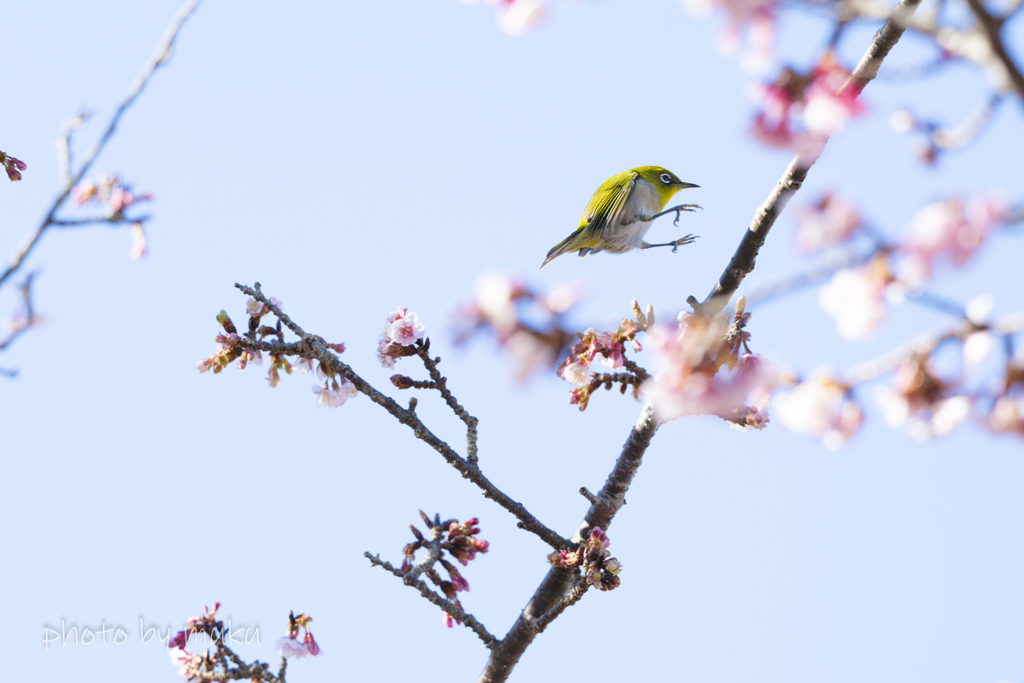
562, 247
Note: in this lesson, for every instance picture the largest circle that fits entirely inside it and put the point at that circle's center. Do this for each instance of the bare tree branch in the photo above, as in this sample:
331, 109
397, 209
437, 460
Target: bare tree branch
159, 58
311, 347
558, 580
992, 28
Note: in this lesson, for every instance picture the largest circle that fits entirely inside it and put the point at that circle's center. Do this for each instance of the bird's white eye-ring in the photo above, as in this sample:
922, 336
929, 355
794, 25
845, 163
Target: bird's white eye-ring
666, 178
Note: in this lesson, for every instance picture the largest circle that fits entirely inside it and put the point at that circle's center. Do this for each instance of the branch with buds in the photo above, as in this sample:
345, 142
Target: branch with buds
404, 337
459, 541
223, 664
109, 191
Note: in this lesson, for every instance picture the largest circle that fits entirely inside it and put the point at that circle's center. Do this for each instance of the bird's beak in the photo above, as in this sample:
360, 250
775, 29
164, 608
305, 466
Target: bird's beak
686, 185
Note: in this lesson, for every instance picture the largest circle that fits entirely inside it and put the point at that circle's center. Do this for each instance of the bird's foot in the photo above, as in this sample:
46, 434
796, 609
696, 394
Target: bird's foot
675, 244
679, 211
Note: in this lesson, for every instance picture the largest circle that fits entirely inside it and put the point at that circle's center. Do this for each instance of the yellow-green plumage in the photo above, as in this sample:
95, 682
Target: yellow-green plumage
620, 212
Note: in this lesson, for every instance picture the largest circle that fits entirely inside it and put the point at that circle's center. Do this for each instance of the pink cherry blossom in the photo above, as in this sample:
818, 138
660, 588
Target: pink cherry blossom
577, 374
855, 297
952, 230
692, 382
801, 111
84, 191
406, 330
821, 407
827, 222
291, 647
772, 124
333, 398
186, 662
921, 402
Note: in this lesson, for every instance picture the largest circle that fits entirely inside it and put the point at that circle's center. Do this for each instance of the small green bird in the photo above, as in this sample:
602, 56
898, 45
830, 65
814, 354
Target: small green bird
621, 211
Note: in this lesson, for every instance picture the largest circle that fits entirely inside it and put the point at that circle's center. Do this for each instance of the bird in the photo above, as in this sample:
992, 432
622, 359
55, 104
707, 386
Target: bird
621, 211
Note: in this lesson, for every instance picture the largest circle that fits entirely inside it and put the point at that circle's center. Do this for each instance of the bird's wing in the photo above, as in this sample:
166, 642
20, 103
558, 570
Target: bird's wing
606, 206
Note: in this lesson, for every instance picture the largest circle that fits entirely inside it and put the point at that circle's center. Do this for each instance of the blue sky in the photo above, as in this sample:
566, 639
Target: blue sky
357, 156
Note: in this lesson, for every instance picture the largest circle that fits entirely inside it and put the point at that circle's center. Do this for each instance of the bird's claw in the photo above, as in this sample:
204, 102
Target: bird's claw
679, 212
682, 241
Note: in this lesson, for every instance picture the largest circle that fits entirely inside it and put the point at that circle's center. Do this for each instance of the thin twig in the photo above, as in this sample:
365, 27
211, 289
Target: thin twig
441, 384
27, 320
159, 58
447, 605
812, 275
1009, 324
992, 28
116, 219
969, 129
311, 347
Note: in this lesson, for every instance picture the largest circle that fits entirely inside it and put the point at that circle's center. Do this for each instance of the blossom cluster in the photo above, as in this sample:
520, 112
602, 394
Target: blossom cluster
920, 401
525, 323
600, 570
13, 166
196, 667
334, 389
800, 111
108, 191
291, 646
708, 369
457, 539
822, 407
605, 348
947, 231
401, 331
827, 222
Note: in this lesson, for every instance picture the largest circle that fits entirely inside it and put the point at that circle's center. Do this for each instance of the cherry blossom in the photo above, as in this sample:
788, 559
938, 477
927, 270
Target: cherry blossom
821, 407
525, 323
402, 330
187, 662
952, 230
406, 329
825, 223
107, 190
292, 647
333, 394
704, 371
855, 297
921, 402
817, 100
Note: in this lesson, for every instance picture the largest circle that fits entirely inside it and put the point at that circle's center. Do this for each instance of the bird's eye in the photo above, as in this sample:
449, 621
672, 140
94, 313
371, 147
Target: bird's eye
666, 178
